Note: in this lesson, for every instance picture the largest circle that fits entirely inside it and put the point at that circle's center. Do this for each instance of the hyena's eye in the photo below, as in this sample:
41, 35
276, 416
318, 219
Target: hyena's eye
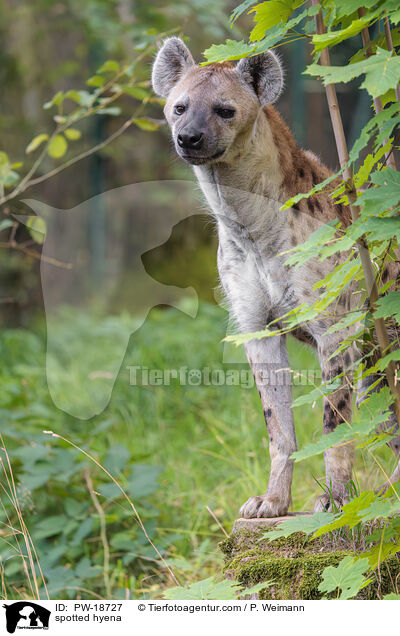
179, 109
225, 113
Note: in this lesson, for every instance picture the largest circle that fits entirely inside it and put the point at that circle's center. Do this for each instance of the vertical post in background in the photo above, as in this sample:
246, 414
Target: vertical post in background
97, 217
297, 93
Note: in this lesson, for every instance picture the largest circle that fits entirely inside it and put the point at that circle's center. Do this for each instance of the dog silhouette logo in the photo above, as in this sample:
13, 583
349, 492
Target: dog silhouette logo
26, 615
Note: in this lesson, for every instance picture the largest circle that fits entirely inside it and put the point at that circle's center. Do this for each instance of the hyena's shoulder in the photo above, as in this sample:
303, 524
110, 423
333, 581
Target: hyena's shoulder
301, 171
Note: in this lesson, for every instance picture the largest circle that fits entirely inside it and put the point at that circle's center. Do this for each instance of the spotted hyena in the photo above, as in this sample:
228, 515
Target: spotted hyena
248, 164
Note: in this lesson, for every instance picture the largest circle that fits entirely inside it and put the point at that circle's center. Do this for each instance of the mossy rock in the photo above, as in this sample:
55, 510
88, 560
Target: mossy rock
294, 566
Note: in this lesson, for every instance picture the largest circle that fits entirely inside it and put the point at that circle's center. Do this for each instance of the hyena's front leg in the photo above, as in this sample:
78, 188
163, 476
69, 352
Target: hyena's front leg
337, 409
269, 363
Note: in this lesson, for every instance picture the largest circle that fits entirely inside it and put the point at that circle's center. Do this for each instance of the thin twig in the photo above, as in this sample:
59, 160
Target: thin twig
82, 155
217, 520
33, 254
103, 532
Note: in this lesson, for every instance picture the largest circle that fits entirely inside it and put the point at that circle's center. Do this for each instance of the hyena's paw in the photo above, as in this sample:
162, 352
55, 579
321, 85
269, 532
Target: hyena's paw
327, 503
263, 506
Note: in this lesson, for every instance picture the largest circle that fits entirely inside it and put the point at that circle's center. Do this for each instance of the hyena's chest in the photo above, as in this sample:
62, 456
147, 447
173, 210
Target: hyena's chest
251, 263
254, 238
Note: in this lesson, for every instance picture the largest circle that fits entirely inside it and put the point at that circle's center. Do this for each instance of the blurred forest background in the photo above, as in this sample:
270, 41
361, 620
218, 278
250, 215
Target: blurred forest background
48, 46
179, 451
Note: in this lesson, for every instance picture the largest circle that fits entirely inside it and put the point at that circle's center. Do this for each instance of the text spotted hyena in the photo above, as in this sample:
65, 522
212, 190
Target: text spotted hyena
248, 164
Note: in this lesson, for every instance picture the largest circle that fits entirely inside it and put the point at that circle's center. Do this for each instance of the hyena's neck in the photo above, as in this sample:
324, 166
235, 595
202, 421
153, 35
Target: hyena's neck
267, 163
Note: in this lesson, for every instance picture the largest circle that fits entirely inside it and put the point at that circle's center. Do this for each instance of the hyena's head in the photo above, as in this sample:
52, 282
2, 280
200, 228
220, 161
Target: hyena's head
211, 108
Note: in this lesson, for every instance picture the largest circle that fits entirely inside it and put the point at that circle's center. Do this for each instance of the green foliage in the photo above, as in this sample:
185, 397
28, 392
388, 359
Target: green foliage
8, 175
378, 72
335, 37
146, 124
36, 142
301, 523
57, 147
112, 82
37, 228
53, 479
373, 411
209, 589
381, 72
231, 50
347, 578
389, 306
384, 196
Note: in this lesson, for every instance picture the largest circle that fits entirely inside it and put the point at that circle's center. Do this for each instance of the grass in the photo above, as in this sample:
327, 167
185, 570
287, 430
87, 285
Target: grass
178, 451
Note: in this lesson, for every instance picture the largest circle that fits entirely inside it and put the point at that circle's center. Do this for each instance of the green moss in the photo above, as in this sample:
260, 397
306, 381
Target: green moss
294, 566
293, 577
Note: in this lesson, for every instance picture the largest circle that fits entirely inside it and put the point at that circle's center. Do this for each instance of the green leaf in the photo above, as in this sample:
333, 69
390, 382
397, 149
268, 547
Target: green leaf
389, 305
325, 442
143, 480
347, 577
254, 589
5, 224
391, 597
8, 177
302, 253
135, 91
318, 392
55, 101
380, 41
382, 198
116, 459
380, 228
381, 71
380, 552
74, 95
110, 66
37, 228
57, 147
347, 321
303, 195
96, 80
369, 162
50, 526
351, 514
112, 110
146, 124
373, 411
269, 14
308, 524
381, 125
72, 134
208, 589
348, 7
36, 142
231, 50
331, 38
239, 339
383, 362
83, 98
236, 13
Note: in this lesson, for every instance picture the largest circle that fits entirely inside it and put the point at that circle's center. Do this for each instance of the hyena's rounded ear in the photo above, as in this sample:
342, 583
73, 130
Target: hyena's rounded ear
264, 74
173, 60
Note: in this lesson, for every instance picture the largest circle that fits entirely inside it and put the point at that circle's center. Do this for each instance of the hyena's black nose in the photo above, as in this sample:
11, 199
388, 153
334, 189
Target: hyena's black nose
190, 140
